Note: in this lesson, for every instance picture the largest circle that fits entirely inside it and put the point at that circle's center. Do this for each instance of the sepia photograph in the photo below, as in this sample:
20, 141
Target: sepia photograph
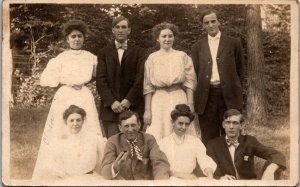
139, 93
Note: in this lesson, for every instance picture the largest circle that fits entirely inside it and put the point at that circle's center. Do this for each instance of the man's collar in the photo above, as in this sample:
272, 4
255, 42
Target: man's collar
218, 36
226, 138
134, 141
116, 42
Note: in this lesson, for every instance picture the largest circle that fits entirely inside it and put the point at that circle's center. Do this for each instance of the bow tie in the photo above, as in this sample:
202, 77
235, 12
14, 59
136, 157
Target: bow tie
121, 46
235, 143
135, 149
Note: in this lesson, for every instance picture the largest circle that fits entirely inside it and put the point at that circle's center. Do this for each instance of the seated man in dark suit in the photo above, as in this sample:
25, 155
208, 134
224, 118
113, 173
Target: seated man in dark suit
234, 153
132, 154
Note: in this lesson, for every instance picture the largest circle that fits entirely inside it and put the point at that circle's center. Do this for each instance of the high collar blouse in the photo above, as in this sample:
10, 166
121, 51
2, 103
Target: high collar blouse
164, 69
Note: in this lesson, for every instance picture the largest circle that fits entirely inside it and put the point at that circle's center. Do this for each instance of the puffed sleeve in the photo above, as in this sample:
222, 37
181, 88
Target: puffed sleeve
51, 74
204, 160
190, 75
148, 87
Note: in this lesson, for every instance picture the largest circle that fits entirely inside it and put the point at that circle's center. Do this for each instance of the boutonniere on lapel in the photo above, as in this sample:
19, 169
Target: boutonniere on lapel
246, 158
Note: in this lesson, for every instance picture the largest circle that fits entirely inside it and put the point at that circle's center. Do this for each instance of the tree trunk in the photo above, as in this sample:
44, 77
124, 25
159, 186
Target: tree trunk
256, 94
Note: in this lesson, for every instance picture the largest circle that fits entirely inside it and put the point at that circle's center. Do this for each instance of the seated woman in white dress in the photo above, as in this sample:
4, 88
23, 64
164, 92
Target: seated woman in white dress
74, 150
69, 71
184, 151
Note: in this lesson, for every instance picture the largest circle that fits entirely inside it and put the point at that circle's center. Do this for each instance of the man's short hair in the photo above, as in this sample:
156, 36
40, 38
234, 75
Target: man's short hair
233, 112
207, 12
118, 19
127, 114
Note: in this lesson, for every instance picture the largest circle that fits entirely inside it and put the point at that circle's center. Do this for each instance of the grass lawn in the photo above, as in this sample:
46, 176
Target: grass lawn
26, 129
27, 125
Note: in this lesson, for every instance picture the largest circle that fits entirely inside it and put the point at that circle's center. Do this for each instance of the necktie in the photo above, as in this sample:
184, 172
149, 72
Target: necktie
121, 46
235, 143
135, 149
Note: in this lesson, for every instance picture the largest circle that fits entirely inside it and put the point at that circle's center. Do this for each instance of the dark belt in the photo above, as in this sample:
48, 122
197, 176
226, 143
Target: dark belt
215, 86
171, 88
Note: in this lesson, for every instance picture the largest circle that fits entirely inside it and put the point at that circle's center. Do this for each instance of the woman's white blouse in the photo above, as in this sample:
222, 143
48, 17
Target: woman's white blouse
164, 69
71, 67
183, 157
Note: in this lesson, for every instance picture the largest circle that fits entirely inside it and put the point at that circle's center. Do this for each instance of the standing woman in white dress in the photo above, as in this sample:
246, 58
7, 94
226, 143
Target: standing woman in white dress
71, 69
169, 79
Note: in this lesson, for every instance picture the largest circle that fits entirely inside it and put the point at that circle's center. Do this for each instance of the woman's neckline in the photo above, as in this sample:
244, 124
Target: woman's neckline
76, 51
166, 52
178, 139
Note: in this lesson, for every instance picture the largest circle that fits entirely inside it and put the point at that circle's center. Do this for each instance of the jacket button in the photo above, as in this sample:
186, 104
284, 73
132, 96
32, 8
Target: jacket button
208, 62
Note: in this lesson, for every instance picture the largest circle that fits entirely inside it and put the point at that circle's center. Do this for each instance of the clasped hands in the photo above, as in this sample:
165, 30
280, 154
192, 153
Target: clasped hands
119, 107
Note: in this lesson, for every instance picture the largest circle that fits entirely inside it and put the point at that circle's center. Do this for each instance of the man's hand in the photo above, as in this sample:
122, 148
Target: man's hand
228, 177
125, 104
269, 172
147, 117
209, 173
120, 160
117, 107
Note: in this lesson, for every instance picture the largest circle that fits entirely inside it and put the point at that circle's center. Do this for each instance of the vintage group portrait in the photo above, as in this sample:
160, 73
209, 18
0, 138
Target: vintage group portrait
174, 93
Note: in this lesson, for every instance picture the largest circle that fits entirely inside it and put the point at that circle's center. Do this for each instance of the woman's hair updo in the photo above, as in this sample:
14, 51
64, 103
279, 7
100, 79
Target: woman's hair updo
159, 27
74, 25
182, 110
73, 109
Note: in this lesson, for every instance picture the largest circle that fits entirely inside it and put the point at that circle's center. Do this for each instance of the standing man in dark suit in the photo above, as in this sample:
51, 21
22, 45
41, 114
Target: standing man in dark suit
218, 62
132, 154
120, 77
234, 153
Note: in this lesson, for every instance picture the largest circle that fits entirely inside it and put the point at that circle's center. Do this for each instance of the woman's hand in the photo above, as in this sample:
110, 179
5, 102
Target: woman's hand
77, 87
147, 117
191, 105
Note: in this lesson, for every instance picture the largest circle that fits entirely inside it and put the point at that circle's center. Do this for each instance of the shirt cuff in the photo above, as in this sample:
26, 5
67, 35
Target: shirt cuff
114, 175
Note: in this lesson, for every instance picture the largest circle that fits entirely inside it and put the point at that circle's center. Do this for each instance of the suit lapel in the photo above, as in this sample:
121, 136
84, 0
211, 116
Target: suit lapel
221, 45
239, 150
206, 48
126, 52
227, 155
140, 144
123, 143
114, 53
